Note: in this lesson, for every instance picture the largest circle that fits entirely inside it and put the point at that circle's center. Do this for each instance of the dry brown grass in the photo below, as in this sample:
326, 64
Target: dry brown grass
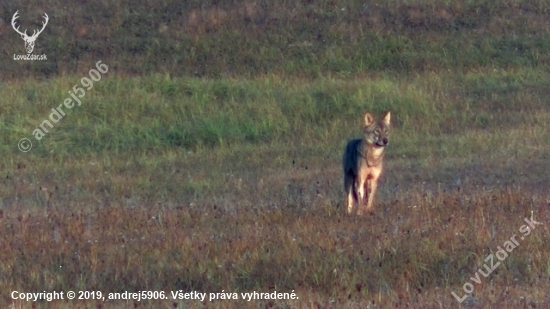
278, 228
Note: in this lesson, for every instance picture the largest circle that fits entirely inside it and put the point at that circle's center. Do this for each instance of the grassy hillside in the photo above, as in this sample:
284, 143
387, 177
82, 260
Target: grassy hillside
158, 112
207, 157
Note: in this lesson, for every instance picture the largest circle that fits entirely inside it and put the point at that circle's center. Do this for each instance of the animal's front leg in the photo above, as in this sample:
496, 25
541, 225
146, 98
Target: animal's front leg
372, 191
361, 192
365, 197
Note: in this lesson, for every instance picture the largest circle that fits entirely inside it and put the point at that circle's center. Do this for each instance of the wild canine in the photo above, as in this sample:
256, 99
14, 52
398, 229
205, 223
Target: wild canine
362, 162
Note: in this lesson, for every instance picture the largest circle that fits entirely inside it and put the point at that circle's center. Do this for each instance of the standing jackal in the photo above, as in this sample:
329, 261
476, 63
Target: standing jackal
362, 162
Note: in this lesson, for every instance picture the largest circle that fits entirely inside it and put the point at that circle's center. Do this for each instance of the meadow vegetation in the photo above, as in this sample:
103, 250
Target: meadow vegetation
208, 157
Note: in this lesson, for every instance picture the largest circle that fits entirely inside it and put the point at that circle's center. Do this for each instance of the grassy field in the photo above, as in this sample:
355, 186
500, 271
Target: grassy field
224, 175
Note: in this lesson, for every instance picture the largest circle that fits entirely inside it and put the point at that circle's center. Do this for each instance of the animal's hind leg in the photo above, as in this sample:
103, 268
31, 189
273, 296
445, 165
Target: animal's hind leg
350, 191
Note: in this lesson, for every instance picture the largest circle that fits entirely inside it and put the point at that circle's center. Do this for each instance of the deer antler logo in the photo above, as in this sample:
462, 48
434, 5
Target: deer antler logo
29, 40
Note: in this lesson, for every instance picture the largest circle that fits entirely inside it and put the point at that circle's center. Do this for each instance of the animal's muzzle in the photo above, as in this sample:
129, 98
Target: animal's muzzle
383, 142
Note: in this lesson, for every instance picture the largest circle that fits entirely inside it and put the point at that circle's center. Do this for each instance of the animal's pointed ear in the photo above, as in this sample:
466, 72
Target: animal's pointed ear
369, 119
387, 118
